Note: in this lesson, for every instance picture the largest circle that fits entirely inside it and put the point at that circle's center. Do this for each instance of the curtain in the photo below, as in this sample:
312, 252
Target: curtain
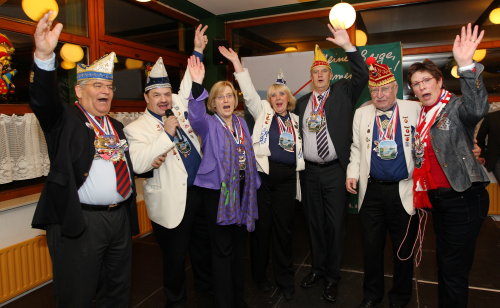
23, 151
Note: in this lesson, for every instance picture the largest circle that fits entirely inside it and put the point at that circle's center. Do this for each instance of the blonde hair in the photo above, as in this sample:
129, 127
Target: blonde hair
274, 88
216, 90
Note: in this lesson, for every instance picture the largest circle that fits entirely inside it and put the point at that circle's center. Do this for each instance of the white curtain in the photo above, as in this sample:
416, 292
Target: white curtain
23, 151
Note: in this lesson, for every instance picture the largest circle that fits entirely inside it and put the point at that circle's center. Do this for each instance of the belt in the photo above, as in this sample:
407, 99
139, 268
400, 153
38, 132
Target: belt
374, 180
108, 207
325, 164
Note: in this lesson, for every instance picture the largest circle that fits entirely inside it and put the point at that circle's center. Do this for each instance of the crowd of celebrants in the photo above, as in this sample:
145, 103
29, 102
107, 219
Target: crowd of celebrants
212, 183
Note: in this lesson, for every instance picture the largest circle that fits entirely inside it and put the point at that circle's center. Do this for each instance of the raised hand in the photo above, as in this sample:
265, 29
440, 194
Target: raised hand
466, 44
45, 38
196, 69
340, 37
232, 56
200, 39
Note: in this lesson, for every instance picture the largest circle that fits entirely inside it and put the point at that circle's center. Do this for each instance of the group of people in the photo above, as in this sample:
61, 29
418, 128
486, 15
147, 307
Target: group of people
210, 180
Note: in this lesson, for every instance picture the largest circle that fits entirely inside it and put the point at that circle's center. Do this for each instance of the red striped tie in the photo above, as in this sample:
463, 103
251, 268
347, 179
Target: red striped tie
122, 178
122, 174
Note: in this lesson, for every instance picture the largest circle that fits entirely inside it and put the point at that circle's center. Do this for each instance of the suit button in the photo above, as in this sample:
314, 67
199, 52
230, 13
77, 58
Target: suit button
438, 150
445, 165
86, 174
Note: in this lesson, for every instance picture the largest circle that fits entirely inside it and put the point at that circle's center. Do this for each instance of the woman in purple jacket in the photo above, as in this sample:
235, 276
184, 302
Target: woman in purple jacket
229, 181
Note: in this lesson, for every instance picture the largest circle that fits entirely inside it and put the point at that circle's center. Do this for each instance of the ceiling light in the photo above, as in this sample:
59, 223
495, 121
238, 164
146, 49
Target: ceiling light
361, 38
142, 0
291, 49
479, 55
495, 16
71, 53
342, 15
454, 71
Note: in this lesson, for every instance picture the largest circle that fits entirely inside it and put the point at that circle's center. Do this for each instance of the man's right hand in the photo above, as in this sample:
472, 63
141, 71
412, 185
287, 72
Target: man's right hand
45, 38
351, 185
170, 124
159, 161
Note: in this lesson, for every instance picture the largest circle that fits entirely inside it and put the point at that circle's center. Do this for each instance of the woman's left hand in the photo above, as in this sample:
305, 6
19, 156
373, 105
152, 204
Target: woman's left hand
466, 44
196, 69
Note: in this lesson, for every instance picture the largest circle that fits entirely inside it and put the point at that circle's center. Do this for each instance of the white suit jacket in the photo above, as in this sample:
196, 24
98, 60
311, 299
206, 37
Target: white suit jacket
362, 135
263, 114
165, 192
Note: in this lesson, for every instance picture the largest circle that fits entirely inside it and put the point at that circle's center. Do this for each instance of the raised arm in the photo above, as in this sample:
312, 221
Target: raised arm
200, 43
44, 97
358, 67
474, 96
198, 116
250, 95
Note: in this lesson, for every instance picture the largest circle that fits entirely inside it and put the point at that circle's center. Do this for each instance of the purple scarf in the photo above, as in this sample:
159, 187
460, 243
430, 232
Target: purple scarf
231, 210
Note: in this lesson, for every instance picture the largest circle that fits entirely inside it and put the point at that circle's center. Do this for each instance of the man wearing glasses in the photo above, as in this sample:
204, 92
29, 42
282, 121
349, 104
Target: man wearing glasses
381, 162
88, 202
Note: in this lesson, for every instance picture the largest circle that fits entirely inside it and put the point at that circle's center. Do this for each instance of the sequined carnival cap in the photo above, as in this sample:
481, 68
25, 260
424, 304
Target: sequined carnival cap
380, 74
100, 69
280, 79
157, 76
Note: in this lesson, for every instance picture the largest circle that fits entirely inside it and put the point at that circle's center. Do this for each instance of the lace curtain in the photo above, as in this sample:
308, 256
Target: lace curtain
23, 151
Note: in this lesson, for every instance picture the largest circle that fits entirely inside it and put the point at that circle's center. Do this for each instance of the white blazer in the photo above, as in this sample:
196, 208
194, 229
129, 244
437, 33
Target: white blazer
360, 159
165, 192
263, 114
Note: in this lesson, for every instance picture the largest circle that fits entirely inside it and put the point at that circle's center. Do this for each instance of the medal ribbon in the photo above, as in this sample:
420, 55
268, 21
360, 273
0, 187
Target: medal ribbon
318, 107
283, 128
240, 137
390, 132
99, 130
426, 119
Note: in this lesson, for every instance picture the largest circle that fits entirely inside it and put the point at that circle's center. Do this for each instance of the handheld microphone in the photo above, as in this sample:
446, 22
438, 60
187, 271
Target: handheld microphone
170, 113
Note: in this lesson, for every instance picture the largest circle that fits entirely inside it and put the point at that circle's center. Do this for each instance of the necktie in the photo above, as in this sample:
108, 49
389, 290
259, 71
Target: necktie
122, 178
321, 138
122, 175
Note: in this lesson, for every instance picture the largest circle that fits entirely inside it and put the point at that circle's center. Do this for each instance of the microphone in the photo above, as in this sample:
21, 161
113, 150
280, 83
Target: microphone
170, 113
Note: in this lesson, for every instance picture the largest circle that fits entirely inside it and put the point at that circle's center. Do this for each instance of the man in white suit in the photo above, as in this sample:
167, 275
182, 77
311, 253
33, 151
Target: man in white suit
381, 167
163, 141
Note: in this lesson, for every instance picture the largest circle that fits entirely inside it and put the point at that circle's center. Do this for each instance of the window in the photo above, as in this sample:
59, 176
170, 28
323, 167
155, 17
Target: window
72, 13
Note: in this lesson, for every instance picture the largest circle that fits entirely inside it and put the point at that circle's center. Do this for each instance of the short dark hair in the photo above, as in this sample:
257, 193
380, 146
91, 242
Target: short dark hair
425, 66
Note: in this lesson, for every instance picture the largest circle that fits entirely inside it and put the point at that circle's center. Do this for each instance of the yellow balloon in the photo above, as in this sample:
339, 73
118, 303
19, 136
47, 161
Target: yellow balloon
68, 65
479, 55
361, 38
71, 53
35, 9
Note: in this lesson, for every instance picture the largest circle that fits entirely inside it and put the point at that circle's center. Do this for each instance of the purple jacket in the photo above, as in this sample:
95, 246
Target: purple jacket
210, 173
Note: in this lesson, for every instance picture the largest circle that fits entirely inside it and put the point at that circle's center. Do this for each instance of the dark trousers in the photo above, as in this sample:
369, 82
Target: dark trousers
97, 263
174, 244
380, 212
273, 229
325, 204
457, 220
228, 248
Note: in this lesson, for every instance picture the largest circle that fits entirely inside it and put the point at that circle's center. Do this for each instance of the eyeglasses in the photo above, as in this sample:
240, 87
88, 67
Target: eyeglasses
423, 82
101, 86
228, 96
384, 90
